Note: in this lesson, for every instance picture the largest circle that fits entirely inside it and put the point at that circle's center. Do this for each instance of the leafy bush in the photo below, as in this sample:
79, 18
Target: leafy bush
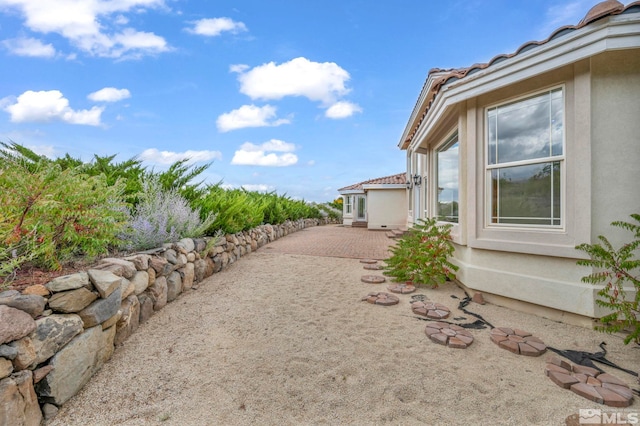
235, 209
162, 216
615, 268
48, 215
422, 255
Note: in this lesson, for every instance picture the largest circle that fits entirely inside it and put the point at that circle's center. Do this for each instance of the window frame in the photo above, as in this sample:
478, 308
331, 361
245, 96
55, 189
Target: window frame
452, 139
348, 207
488, 168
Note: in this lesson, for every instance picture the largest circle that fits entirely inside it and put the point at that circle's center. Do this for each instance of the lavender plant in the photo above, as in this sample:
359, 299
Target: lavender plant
162, 216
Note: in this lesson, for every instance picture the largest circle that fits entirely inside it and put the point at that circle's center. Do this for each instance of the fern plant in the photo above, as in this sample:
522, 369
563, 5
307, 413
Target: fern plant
422, 255
616, 268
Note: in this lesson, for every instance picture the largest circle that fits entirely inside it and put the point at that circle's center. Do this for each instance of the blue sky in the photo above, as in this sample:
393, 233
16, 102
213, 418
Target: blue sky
297, 97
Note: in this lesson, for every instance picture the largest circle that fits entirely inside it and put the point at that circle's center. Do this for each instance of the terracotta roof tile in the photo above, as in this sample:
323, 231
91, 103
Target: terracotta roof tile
600, 10
398, 179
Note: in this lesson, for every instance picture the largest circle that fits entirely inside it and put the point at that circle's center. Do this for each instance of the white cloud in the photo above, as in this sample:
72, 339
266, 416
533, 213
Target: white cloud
215, 26
258, 187
168, 157
249, 116
109, 94
323, 82
50, 105
264, 155
88, 25
564, 14
27, 46
342, 109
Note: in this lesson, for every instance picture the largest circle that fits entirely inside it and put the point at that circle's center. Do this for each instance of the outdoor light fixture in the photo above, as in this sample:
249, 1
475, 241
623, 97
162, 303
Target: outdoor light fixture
417, 179
409, 184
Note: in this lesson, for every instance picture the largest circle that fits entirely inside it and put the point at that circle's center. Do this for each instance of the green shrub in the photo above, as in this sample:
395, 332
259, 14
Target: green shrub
615, 268
422, 255
48, 215
235, 210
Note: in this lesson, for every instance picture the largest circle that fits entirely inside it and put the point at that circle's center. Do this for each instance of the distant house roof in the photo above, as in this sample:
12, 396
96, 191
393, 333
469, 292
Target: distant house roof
398, 179
438, 78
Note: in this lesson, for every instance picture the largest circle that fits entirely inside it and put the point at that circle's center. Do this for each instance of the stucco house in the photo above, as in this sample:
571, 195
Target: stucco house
529, 155
379, 203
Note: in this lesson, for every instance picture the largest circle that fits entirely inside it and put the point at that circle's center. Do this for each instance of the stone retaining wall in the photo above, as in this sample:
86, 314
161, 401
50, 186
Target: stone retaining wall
54, 338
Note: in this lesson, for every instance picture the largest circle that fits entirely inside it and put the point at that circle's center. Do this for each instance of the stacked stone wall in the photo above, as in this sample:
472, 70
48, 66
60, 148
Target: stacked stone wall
55, 337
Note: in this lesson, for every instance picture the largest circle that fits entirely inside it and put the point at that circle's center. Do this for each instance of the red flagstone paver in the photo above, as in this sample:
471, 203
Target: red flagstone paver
602, 388
373, 267
373, 279
450, 335
430, 309
381, 298
401, 288
519, 342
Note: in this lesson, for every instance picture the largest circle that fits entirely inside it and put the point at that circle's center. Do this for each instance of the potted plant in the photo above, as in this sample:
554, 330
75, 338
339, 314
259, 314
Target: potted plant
421, 256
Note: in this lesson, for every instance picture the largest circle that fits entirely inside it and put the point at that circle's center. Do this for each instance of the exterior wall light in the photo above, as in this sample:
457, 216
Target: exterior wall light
417, 179
409, 184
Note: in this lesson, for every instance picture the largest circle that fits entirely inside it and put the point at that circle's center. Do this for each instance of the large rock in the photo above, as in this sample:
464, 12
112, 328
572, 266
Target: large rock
14, 324
141, 261
101, 310
128, 268
187, 273
8, 352
52, 333
126, 288
129, 320
72, 301
74, 364
18, 401
174, 286
6, 368
140, 281
26, 353
37, 289
68, 282
146, 307
158, 293
160, 265
186, 244
104, 281
29, 303
199, 270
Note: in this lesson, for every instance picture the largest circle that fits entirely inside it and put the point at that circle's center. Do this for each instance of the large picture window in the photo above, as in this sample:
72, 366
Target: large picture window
448, 182
525, 160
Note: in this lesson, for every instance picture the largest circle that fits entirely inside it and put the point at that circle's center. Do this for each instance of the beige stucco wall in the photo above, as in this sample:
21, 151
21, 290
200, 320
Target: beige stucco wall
615, 141
386, 208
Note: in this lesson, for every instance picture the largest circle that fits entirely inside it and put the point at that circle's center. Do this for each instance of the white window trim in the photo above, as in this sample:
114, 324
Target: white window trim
433, 187
576, 198
558, 158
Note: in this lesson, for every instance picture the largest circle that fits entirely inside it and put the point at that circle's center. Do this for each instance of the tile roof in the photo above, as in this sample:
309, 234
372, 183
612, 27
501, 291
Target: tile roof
398, 179
444, 76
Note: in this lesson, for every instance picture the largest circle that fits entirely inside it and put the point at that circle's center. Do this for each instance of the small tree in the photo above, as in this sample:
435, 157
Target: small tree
422, 255
615, 268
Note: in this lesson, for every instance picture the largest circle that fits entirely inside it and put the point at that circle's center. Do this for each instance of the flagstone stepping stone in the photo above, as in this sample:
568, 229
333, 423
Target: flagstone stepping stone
373, 279
589, 383
381, 298
450, 335
373, 267
519, 342
401, 288
369, 261
430, 309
